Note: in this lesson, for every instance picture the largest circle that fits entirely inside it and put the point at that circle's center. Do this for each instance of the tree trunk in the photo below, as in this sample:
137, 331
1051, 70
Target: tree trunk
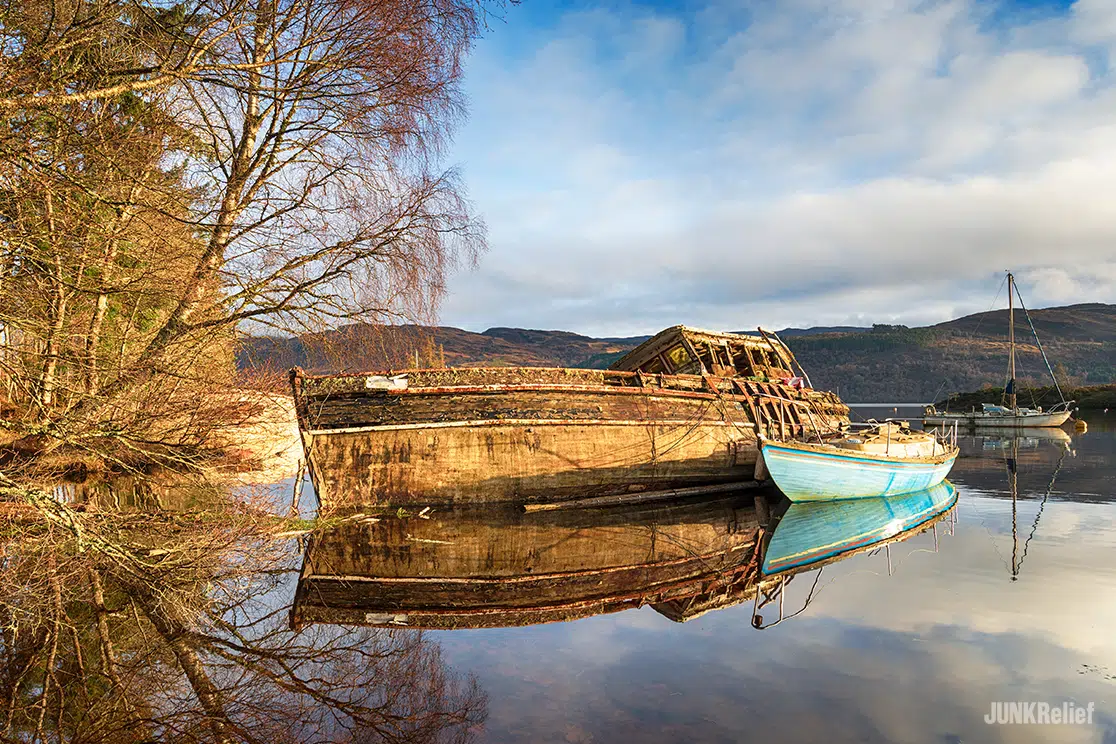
207, 693
59, 298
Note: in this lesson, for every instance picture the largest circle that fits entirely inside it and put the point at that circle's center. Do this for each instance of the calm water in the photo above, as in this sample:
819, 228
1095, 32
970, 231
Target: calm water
917, 656
1003, 599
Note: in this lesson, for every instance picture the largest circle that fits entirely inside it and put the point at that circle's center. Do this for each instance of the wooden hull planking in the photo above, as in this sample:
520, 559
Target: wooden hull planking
525, 461
574, 434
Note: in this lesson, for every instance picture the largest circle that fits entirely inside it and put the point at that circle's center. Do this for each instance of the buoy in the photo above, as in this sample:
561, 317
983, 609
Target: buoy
1080, 426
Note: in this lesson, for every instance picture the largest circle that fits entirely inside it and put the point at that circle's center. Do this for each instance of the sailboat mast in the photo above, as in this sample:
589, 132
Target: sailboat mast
1011, 399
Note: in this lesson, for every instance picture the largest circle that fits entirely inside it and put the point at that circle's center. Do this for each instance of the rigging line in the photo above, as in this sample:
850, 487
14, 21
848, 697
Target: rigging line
986, 312
940, 389
1042, 505
991, 538
1039, 344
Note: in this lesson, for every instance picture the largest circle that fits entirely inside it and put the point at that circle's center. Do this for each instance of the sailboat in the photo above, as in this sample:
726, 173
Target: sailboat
1009, 414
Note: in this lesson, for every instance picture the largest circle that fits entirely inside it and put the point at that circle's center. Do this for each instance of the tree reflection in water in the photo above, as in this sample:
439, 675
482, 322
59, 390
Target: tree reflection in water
142, 628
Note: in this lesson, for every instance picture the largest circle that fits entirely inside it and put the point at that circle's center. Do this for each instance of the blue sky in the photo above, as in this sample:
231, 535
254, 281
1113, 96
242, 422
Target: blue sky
729, 164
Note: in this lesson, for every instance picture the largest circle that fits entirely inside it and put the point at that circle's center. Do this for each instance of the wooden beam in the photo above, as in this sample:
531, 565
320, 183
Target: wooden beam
639, 497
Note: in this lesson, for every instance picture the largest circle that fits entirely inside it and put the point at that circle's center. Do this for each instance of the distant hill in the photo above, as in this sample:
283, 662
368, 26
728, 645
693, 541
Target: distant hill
364, 347
883, 363
1092, 321
897, 363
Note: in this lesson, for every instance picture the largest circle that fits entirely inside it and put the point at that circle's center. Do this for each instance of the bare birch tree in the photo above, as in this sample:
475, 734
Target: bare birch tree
287, 177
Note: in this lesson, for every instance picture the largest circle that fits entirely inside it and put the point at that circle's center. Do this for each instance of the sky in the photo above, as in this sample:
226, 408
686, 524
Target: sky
728, 164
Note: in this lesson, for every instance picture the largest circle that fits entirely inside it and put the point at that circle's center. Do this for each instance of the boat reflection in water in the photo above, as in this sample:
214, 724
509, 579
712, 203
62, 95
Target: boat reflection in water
989, 440
813, 533
491, 568
498, 568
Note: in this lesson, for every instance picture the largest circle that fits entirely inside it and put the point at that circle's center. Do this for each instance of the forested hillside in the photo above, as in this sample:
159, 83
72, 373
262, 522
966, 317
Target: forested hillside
883, 363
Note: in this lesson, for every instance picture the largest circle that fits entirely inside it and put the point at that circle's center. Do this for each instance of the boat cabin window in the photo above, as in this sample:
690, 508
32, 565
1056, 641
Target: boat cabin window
680, 360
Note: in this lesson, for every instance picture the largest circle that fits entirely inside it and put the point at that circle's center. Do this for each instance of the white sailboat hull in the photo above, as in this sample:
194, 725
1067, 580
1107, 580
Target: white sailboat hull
980, 420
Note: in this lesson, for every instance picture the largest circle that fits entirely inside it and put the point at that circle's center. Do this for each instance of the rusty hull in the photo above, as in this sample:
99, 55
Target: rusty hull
530, 434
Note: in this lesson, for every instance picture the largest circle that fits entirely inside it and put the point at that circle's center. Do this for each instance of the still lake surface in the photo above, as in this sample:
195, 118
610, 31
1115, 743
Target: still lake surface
916, 656
1002, 599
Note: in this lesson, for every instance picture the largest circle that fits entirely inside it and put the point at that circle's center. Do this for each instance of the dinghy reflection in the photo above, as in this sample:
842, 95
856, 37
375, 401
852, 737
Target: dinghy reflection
814, 535
498, 568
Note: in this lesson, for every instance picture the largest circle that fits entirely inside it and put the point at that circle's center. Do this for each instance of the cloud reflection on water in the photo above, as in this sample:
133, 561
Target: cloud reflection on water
918, 656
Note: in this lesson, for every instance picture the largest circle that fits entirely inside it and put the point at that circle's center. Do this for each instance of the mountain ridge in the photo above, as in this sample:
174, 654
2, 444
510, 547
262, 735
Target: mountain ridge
882, 362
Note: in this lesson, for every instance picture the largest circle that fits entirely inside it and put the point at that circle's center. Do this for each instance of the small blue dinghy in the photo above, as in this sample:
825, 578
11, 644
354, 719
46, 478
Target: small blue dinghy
886, 459
809, 534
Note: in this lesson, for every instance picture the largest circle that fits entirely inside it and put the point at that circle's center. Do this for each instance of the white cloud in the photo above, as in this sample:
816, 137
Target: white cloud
1094, 21
789, 164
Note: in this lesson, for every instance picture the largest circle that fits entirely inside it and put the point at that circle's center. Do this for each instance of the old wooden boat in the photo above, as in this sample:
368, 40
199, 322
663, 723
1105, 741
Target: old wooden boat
496, 566
810, 534
885, 459
681, 410
1009, 414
